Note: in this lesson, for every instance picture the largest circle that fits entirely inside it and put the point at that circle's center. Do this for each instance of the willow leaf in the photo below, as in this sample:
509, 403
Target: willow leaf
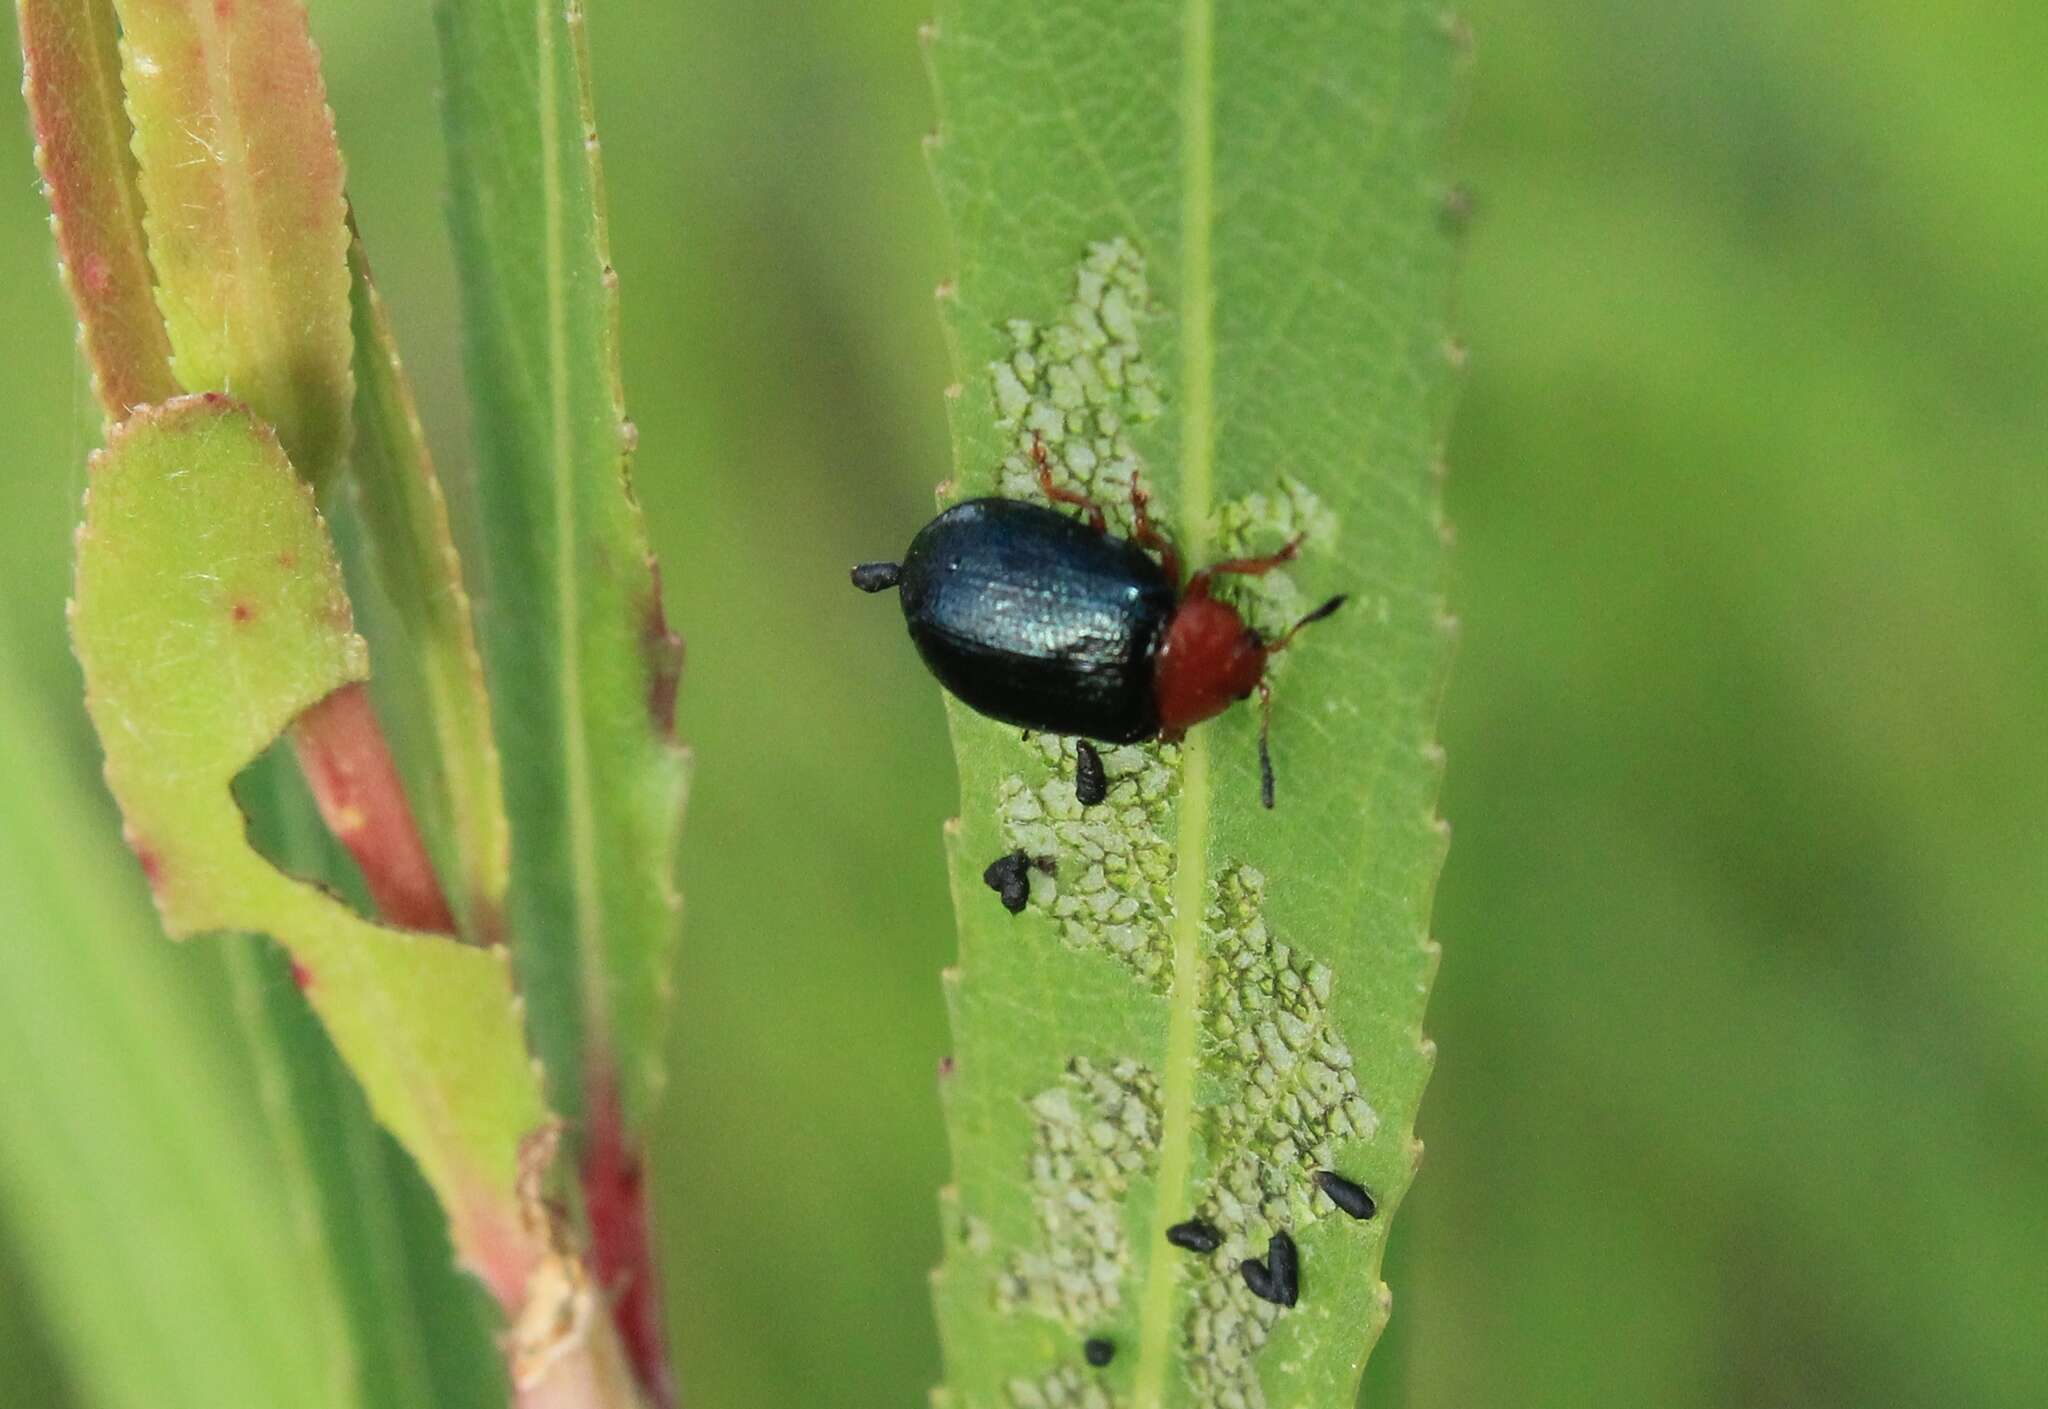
209, 614
243, 182
406, 525
1200, 243
581, 660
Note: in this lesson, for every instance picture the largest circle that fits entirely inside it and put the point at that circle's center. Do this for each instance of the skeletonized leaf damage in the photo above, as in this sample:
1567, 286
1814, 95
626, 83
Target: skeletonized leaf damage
1277, 1095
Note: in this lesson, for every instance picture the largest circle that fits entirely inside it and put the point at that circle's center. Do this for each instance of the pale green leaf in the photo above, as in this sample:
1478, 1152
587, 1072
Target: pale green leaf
154, 1226
583, 665
210, 613
1201, 243
72, 55
243, 182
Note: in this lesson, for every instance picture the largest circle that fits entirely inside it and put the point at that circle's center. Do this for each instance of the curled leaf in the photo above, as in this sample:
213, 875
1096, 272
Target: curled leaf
209, 615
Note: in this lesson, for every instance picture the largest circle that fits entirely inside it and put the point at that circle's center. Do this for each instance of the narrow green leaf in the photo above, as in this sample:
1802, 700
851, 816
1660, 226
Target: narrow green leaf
1200, 244
581, 657
71, 51
210, 613
147, 1211
246, 232
406, 522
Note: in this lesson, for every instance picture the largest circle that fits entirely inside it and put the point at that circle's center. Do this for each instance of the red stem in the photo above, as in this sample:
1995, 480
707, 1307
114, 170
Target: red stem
622, 1241
348, 765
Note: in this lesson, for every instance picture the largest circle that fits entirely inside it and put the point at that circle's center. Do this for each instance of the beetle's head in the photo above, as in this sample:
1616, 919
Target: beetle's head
1209, 661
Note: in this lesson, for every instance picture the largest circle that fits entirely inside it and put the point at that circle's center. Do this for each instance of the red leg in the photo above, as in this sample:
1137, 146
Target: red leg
1249, 567
1145, 535
1064, 496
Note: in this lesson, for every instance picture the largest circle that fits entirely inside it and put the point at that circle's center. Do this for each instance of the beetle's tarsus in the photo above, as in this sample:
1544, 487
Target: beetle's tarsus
1097, 520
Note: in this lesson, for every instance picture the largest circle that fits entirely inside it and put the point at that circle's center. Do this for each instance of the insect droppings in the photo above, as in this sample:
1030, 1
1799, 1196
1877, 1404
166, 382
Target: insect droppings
1010, 877
1091, 782
1194, 1236
1259, 1280
876, 577
1278, 1278
1097, 1351
1350, 1197
1283, 1262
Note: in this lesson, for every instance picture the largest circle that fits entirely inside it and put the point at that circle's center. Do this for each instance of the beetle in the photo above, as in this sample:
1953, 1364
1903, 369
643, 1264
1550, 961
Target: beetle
1041, 620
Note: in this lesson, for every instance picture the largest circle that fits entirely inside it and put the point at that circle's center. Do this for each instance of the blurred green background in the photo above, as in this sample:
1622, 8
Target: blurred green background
1743, 1014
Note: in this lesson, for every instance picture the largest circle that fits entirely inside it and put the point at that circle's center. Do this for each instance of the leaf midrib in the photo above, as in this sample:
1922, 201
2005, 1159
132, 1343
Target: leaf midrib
569, 677
231, 153
1197, 455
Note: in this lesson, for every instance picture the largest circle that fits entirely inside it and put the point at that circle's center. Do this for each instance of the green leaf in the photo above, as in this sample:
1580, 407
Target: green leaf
583, 665
420, 1332
72, 54
210, 613
246, 220
149, 1215
406, 523
1202, 244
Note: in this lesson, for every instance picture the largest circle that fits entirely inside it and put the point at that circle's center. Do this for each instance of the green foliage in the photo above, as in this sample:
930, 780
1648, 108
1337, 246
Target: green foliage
1206, 249
418, 1330
242, 182
71, 51
582, 660
406, 526
170, 1269
1739, 1100
210, 614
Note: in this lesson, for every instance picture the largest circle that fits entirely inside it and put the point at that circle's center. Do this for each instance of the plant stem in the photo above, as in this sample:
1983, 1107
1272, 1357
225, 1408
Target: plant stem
564, 1351
621, 1238
348, 765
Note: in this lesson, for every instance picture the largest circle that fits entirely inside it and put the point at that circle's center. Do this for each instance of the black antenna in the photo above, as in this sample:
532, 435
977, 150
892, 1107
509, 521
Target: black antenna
876, 577
1266, 785
1322, 613
1265, 744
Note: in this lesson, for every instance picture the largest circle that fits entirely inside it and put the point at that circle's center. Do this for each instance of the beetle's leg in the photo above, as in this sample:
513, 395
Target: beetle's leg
1328, 608
1064, 496
1249, 567
1147, 535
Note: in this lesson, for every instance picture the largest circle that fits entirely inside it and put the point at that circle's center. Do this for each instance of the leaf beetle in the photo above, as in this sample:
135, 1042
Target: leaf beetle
1055, 624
